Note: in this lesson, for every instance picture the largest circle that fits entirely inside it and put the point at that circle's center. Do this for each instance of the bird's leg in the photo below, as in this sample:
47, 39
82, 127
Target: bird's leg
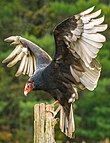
57, 110
56, 102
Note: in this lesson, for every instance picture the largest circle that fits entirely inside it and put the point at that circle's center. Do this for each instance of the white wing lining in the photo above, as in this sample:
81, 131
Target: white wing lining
85, 39
23, 54
86, 42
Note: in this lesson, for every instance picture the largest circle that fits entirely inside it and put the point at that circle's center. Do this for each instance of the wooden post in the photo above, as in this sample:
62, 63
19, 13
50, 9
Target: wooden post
44, 123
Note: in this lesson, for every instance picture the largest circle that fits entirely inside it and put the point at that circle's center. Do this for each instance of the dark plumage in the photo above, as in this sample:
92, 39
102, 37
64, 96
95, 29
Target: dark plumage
77, 43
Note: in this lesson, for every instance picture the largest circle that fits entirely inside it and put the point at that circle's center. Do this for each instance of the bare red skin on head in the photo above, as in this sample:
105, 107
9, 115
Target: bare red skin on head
28, 88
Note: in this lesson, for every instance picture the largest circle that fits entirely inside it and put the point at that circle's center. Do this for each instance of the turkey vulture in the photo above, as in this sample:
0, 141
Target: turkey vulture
77, 42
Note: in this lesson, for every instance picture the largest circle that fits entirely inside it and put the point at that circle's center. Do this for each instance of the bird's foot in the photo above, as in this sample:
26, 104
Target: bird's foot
57, 110
56, 102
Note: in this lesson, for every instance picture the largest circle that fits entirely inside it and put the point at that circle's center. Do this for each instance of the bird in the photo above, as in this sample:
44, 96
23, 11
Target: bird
74, 65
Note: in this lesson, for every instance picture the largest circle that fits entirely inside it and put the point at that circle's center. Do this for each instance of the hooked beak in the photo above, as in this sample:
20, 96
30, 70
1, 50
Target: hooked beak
25, 93
28, 87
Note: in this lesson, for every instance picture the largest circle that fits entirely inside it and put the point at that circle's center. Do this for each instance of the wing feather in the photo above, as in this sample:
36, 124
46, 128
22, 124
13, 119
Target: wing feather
96, 29
87, 11
28, 53
31, 65
21, 67
74, 74
94, 37
25, 66
92, 49
16, 51
82, 53
34, 60
92, 43
87, 18
81, 35
94, 22
28, 67
16, 59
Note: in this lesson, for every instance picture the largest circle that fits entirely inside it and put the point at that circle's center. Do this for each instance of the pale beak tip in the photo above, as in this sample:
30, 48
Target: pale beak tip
25, 93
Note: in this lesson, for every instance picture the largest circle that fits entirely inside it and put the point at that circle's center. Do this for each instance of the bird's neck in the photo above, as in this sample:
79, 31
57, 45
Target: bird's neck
39, 79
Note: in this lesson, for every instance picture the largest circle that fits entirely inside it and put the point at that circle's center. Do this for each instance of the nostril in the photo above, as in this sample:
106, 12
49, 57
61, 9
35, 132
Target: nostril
28, 86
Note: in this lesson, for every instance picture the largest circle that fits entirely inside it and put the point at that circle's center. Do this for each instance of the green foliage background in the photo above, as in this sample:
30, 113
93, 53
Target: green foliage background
35, 20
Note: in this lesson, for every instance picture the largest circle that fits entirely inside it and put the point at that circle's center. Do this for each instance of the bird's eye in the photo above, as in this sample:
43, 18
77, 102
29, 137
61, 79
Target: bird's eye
28, 86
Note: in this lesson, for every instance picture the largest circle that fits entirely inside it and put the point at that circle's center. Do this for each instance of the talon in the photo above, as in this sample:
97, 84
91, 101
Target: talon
55, 112
50, 111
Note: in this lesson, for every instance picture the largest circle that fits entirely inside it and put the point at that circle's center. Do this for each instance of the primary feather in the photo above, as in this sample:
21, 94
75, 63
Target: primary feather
28, 53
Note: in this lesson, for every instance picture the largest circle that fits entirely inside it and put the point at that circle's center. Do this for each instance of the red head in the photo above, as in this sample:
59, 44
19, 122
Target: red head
28, 87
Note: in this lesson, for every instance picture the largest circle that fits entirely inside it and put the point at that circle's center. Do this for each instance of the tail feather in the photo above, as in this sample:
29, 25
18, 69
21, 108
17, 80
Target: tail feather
67, 124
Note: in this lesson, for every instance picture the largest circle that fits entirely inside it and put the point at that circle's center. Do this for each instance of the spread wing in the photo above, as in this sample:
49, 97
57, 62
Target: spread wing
78, 41
31, 56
